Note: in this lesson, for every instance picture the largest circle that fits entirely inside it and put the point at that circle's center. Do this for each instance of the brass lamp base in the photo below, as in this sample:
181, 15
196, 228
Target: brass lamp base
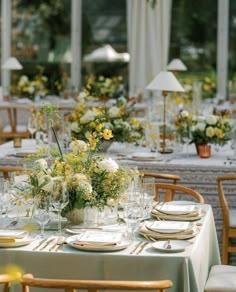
165, 151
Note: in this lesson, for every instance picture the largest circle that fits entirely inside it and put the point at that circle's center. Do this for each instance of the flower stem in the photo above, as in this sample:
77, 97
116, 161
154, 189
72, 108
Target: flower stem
58, 145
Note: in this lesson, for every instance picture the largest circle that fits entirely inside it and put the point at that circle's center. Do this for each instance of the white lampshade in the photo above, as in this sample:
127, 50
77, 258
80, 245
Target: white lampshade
165, 81
176, 65
12, 64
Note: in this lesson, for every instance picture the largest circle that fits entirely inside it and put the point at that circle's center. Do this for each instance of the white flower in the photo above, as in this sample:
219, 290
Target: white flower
75, 127
82, 95
46, 181
85, 187
114, 112
200, 126
40, 165
109, 164
77, 177
201, 119
212, 120
184, 114
78, 145
187, 87
88, 117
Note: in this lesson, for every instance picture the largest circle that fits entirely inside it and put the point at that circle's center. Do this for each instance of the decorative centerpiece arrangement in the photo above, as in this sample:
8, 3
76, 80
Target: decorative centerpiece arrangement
116, 123
37, 86
203, 131
91, 180
104, 88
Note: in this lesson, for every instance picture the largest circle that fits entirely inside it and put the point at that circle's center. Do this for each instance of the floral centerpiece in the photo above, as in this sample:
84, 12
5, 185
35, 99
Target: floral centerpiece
92, 180
116, 123
202, 130
104, 87
30, 88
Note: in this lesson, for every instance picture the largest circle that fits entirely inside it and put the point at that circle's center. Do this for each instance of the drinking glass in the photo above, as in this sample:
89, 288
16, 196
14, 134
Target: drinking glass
41, 211
59, 199
5, 201
32, 126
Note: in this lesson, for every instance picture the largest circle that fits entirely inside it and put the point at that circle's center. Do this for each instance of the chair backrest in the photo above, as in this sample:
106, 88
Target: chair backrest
7, 170
5, 282
160, 177
221, 182
92, 285
173, 189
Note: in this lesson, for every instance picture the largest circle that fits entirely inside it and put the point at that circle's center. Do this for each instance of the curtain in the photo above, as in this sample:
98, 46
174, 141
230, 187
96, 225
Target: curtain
148, 41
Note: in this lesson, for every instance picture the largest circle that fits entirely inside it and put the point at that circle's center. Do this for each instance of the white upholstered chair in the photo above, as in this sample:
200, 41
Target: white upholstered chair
222, 278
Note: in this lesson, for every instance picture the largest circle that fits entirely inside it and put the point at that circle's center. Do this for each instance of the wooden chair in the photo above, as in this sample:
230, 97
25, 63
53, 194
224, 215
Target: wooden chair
161, 177
222, 278
5, 282
7, 170
170, 190
92, 286
229, 218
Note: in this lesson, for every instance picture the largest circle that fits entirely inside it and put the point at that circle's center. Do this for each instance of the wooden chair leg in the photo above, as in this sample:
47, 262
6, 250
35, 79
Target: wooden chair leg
225, 245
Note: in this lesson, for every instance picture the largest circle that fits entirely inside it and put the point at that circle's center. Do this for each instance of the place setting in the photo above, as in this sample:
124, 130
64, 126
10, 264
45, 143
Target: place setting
164, 230
15, 238
96, 240
177, 212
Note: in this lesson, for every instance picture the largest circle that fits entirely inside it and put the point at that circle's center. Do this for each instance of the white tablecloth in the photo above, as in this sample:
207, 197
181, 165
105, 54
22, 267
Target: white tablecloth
188, 269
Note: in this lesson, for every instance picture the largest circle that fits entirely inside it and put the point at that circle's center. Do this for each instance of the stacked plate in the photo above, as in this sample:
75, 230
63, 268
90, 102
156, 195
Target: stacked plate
158, 230
14, 238
177, 212
98, 241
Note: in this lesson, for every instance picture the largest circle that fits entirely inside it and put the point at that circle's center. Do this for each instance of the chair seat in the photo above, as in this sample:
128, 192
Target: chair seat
222, 278
232, 218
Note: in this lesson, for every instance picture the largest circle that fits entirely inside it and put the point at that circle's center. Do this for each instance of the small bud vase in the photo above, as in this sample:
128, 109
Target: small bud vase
204, 151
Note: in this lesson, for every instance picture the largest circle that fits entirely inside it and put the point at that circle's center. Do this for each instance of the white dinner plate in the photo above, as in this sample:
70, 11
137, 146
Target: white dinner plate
169, 226
18, 242
176, 245
119, 245
144, 156
176, 209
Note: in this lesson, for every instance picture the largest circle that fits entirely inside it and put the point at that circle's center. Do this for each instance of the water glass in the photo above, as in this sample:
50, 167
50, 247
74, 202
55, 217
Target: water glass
59, 199
41, 211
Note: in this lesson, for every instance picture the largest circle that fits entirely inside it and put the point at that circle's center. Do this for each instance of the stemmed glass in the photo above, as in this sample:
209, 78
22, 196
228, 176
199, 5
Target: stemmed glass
41, 211
59, 199
5, 201
32, 125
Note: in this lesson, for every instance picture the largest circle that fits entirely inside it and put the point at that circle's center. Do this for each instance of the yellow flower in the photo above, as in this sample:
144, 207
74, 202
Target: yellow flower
99, 127
219, 133
135, 122
210, 132
13, 271
107, 134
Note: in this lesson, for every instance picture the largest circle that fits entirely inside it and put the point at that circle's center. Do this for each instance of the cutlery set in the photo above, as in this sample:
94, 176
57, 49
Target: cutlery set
139, 248
51, 244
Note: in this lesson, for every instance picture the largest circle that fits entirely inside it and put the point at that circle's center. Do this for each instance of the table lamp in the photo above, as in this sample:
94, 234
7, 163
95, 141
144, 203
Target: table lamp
165, 81
11, 63
176, 65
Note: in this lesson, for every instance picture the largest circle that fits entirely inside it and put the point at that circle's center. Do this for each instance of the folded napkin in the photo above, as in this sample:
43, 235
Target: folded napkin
7, 239
159, 213
94, 244
11, 236
146, 232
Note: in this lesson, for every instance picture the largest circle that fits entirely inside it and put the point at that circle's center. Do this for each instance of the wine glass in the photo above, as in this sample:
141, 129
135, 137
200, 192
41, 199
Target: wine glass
59, 199
32, 126
41, 211
5, 200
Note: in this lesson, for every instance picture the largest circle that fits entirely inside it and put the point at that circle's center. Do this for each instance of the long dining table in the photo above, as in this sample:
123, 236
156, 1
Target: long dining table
187, 268
199, 174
